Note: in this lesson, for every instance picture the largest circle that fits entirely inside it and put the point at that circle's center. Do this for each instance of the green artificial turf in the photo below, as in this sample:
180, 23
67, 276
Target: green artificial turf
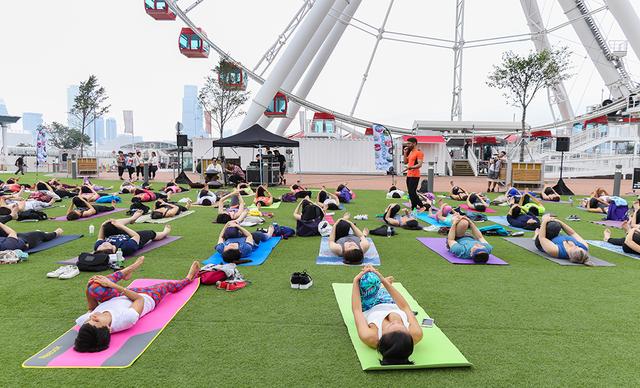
530, 323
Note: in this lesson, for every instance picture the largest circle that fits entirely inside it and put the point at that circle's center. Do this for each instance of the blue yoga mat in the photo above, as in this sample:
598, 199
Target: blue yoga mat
54, 243
430, 220
502, 220
326, 257
612, 248
257, 257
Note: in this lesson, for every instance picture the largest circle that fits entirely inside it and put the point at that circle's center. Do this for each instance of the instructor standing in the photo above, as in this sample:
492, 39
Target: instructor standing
413, 159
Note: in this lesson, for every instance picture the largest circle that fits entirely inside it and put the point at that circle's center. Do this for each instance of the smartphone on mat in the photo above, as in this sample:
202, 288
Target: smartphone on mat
427, 322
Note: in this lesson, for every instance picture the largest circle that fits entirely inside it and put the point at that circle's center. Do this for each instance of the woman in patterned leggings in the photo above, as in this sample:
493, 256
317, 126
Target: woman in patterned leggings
114, 308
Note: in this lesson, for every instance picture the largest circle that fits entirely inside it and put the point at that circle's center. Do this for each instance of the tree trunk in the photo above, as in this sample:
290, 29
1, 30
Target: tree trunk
522, 141
82, 137
220, 149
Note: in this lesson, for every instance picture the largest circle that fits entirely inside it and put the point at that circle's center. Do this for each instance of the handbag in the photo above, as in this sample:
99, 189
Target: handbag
93, 262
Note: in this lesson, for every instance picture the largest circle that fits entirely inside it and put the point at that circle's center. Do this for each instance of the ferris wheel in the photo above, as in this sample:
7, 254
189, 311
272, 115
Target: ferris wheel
300, 52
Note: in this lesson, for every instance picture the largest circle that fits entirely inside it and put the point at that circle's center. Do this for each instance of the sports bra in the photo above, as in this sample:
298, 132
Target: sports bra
559, 242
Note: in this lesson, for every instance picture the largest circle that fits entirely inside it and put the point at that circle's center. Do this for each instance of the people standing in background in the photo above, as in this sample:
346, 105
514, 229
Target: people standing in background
120, 163
413, 159
283, 165
153, 165
130, 163
467, 144
139, 163
20, 164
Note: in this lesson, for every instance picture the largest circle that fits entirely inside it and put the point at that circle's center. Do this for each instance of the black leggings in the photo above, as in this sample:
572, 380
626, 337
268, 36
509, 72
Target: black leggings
120, 171
412, 188
103, 208
620, 242
235, 179
64, 193
145, 235
342, 229
306, 193
392, 213
139, 170
553, 230
33, 239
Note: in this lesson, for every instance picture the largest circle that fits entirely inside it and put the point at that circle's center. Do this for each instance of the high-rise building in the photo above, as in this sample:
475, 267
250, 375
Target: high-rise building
3, 108
99, 130
30, 122
192, 113
72, 92
111, 129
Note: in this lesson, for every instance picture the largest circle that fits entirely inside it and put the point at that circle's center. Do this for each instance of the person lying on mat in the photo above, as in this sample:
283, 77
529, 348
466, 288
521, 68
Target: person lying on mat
262, 197
236, 243
57, 191
383, 318
146, 195
348, 241
599, 192
549, 194
393, 217
344, 193
87, 192
634, 218
300, 191
394, 192
113, 308
444, 213
570, 246
244, 189
206, 198
236, 212
163, 209
127, 187
173, 188
27, 204
327, 200
519, 217
81, 208
464, 246
630, 243
114, 234
308, 216
457, 193
477, 202
11, 240
595, 205
530, 203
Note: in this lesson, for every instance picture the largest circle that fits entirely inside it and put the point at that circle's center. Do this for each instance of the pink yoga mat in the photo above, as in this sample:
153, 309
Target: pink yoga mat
126, 346
466, 207
609, 223
149, 246
439, 246
329, 219
64, 218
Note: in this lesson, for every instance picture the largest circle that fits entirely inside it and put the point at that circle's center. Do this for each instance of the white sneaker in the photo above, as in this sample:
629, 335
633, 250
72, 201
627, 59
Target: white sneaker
59, 271
71, 272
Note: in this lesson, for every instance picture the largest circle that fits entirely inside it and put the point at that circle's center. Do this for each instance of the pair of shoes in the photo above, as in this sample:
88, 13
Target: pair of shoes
431, 228
64, 272
231, 286
361, 217
517, 234
301, 280
573, 217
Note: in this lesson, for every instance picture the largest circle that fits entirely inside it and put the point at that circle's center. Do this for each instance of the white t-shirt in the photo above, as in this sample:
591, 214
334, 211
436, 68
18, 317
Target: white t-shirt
329, 201
51, 194
122, 315
153, 161
379, 312
35, 205
399, 192
211, 198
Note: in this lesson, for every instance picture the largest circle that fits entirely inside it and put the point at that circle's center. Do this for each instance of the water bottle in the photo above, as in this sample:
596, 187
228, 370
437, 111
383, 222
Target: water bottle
571, 200
389, 231
119, 258
92, 229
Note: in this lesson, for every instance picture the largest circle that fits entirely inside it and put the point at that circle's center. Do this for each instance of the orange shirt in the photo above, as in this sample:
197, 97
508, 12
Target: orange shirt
414, 155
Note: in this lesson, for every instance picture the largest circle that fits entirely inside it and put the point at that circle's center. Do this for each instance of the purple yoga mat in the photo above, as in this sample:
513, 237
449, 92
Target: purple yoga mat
150, 246
609, 223
64, 218
439, 246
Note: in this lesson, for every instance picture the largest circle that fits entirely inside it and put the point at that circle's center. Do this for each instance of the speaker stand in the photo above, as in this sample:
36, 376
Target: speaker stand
560, 187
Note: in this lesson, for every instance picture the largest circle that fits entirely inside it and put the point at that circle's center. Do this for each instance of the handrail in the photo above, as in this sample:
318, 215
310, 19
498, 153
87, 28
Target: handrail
473, 161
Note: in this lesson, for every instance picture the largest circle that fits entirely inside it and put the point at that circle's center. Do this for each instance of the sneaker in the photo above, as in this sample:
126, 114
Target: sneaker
573, 217
517, 234
235, 286
71, 272
60, 271
431, 228
222, 285
305, 281
295, 280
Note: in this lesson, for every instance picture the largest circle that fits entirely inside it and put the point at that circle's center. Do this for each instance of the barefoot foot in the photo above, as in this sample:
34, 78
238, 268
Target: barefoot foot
127, 271
193, 271
59, 232
607, 234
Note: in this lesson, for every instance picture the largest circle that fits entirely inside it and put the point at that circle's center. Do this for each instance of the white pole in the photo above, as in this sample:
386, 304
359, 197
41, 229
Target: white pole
628, 20
318, 63
286, 62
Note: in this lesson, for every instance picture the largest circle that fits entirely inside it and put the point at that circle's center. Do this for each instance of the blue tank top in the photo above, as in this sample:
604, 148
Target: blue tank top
562, 252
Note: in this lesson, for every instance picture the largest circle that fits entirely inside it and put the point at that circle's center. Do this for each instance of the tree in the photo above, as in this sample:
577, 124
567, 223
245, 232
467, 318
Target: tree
89, 104
521, 77
222, 102
65, 138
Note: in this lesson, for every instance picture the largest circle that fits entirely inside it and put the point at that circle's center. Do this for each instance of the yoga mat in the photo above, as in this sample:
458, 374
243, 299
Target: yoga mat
148, 220
329, 219
561, 201
609, 223
326, 257
274, 205
257, 257
528, 244
64, 218
430, 220
435, 350
151, 245
439, 246
125, 346
502, 220
612, 248
54, 243
487, 210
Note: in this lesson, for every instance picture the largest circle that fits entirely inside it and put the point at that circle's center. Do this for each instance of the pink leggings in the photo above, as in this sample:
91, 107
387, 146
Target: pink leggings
156, 292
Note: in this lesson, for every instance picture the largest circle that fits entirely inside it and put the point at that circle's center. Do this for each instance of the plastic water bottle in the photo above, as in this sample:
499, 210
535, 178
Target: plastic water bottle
92, 230
389, 231
119, 258
571, 200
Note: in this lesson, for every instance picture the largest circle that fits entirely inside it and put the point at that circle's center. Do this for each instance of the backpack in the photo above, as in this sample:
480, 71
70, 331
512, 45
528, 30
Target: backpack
109, 199
40, 196
382, 231
617, 213
32, 215
308, 228
93, 262
494, 230
288, 197
345, 196
211, 277
284, 231
138, 206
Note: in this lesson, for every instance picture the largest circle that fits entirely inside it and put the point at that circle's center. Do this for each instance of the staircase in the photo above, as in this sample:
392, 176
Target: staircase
461, 167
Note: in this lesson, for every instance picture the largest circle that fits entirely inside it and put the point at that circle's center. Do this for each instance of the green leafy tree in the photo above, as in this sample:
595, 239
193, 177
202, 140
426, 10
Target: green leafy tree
89, 105
65, 138
222, 102
521, 77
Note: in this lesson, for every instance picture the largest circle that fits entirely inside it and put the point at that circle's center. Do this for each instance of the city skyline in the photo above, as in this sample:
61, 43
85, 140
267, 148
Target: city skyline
192, 113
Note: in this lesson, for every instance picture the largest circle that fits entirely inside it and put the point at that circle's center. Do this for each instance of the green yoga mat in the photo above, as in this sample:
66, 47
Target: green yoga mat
274, 205
435, 350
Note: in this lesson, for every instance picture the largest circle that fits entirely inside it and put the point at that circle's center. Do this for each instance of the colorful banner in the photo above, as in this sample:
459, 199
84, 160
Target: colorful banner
383, 146
41, 145
128, 121
207, 122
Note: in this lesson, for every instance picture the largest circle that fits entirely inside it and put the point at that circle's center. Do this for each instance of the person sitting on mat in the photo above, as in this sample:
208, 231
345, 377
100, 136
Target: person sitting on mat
308, 215
521, 218
114, 234
457, 193
530, 203
81, 208
235, 243
163, 209
300, 191
88, 193
395, 193
235, 212
344, 193
206, 198
146, 195
630, 243
595, 205
570, 246
444, 213
549, 194
350, 246
245, 189
475, 201
113, 308
464, 246
393, 218
11, 240
329, 201
383, 318
262, 197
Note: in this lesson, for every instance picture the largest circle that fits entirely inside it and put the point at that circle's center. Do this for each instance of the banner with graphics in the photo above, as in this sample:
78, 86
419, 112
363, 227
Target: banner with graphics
41, 145
128, 121
383, 146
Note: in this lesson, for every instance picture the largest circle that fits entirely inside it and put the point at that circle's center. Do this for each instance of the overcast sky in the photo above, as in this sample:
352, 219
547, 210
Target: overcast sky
47, 46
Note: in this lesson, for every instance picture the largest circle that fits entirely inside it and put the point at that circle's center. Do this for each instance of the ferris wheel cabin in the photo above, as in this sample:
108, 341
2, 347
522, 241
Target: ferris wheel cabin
159, 10
278, 106
323, 123
190, 44
232, 77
